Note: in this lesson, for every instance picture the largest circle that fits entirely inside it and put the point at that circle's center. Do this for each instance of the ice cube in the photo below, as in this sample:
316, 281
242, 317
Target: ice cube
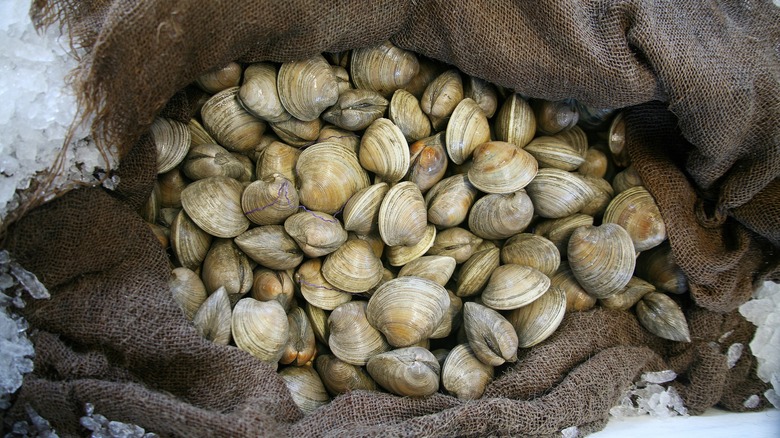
29, 281
733, 354
752, 402
659, 376
570, 432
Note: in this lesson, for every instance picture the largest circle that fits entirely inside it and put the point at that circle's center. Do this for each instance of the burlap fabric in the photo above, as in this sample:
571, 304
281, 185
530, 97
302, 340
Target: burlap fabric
701, 83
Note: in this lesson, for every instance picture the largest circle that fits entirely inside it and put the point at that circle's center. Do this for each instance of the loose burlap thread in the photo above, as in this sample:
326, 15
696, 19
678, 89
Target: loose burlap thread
700, 85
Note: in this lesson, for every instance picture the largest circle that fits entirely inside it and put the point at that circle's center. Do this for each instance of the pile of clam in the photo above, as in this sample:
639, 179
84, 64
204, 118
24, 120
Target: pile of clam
376, 220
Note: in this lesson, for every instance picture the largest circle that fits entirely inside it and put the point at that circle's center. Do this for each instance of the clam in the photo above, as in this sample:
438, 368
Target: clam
593, 118
268, 285
512, 286
213, 318
554, 152
482, 92
342, 77
188, 290
278, 158
464, 375
407, 309
468, 128
319, 322
300, 348
352, 339
167, 216
405, 112
596, 164
617, 141
558, 231
270, 246
259, 95
441, 97
332, 134
400, 255
629, 295
260, 328
660, 315
475, 272
171, 184
658, 266
537, 321
577, 298
531, 250
636, 211
316, 233
428, 162
316, 290
449, 201
436, 268
266, 140
373, 239
172, 141
556, 193
207, 160
384, 151
353, 267
298, 133
329, 174
455, 242
229, 123
554, 116
496, 216
361, 212
451, 319
161, 233
226, 266
626, 179
355, 109
306, 88
189, 242
576, 138
341, 377
198, 134
515, 122
306, 388
150, 210
248, 168
214, 81
491, 337
600, 193
500, 167
410, 371
602, 258
402, 215
270, 200
214, 204
383, 68
429, 70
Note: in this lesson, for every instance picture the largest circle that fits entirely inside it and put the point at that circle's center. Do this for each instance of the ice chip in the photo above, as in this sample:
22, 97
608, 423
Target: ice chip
734, 353
122, 430
659, 376
90, 424
6, 281
752, 402
29, 281
570, 432
773, 397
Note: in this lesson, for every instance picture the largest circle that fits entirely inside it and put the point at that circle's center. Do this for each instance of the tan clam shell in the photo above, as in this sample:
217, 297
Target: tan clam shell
356, 109
188, 290
270, 246
383, 68
214, 204
577, 298
316, 290
341, 377
558, 231
353, 267
226, 266
189, 242
259, 95
306, 388
629, 295
332, 134
595, 165
537, 321
554, 152
602, 258
342, 76
428, 162
451, 320
307, 87
491, 337
319, 322
207, 160
441, 97
617, 141
214, 81
270, 200
455, 242
213, 318
268, 285
557, 193
361, 212
229, 123
373, 239
512, 286
278, 158
575, 137
352, 339
300, 348
248, 171
599, 196
531, 250
150, 210
626, 179
328, 174
260, 328
660, 315
198, 134
167, 216
171, 184
482, 92
409, 372
554, 116
315, 232
500, 167
429, 70
436, 268
449, 201
402, 215
172, 141
400, 255
384, 151
498, 216
515, 122
405, 112
296, 132
475, 272
464, 375
659, 267
636, 211
467, 128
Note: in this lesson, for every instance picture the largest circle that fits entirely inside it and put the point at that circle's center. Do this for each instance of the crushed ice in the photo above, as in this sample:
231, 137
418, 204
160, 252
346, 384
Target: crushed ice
570, 432
734, 353
764, 311
648, 396
101, 427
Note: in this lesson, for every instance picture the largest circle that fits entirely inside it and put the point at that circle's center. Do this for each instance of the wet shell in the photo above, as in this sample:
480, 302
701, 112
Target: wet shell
492, 338
515, 122
556, 193
464, 375
537, 321
554, 152
660, 315
188, 290
428, 162
171, 184
558, 231
332, 134
455, 242
319, 322
361, 213
230, 124
436, 268
316, 233
198, 134
451, 320
226, 266
356, 109
315, 289
212, 320
296, 132
352, 339
383, 68
500, 167
410, 372
306, 88
600, 193
213, 82
384, 151
554, 116
353, 267
278, 158
207, 160
513, 286
449, 201
270, 285
636, 211
441, 97
270, 200
340, 377
531, 250
214, 204
405, 112
258, 94
402, 215
602, 258
497, 216
482, 92
306, 388
658, 266
577, 299
300, 348
429, 70
407, 310
270, 246
189, 242
260, 328
468, 128
617, 141
596, 164
400, 255
172, 140
626, 179
329, 174
629, 295
475, 272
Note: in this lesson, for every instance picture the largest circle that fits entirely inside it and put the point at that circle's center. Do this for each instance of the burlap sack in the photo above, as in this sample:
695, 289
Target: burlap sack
701, 81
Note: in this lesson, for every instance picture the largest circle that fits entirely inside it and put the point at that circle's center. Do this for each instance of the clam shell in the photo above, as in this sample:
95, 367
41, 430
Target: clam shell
384, 151
626, 179
316, 290
400, 255
352, 339
316, 233
172, 141
600, 193
300, 348
342, 77
636, 211
554, 116
531, 250
198, 134
268, 285
500, 167
329, 174
577, 299
259, 95
558, 231
229, 123
464, 375
306, 88
491, 337
188, 290
207, 160
629, 295
436, 268
405, 112
171, 184
554, 152
383, 68
407, 310
512, 286
278, 158
429, 70
556, 193
260, 328
270, 200
402, 215
332, 134
537, 321
213, 318
451, 318
660, 315
449, 201
482, 92
410, 371
617, 141
467, 128
270, 246
441, 97
595, 165
353, 267
602, 258
226, 266
319, 322
355, 110
340, 377
575, 137
189, 242
515, 122
296, 132
658, 266
306, 388
213, 82
428, 162
475, 272
497, 216
361, 212
214, 204
455, 242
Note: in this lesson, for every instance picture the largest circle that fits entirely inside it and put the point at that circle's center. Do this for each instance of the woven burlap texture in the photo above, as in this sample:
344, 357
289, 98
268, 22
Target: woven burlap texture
700, 83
